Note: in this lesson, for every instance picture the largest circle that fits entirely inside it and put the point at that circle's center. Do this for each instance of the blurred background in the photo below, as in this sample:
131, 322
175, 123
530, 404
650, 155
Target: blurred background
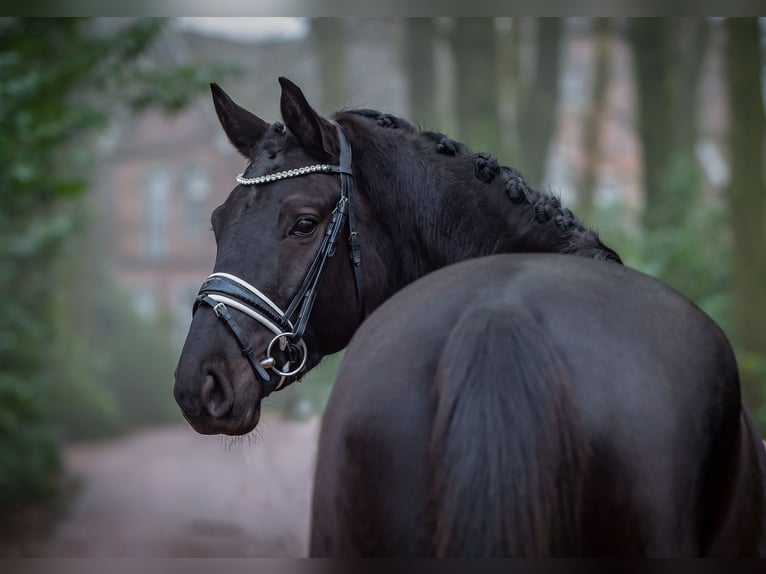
651, 130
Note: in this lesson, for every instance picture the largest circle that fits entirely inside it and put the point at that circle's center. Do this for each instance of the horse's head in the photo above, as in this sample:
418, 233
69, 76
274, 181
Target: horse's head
276, 235
424, 202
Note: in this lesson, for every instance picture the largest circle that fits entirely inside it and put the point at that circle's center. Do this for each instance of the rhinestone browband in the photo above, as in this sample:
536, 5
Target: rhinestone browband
283, 174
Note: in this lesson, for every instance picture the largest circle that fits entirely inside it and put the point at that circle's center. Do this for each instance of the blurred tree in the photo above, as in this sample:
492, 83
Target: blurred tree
530, 60
476, 85
419, 38
62, 78
685, 241
668, 54
746, 193
487, 55
537, 104
594, 122
112, 369
329, 37
690, 242
509, 57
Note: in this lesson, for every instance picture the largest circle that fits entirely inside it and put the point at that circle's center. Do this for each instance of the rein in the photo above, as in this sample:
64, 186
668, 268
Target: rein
223, 290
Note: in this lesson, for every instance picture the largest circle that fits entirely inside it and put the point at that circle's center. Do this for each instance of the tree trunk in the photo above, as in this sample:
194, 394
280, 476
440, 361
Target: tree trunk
538, 102
509, 79
594, 122
475, 55
329, 36
668, 55
419, 35
747, 191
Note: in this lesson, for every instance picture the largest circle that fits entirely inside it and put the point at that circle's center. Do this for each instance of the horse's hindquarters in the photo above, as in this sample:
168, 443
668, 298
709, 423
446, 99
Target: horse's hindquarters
738, 511
647, 385
371, 491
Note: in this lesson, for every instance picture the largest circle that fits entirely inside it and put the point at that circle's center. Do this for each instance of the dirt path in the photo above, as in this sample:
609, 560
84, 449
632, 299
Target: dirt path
172, 492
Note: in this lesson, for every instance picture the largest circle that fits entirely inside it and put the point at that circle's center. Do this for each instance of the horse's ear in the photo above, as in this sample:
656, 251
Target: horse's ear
243, 128
313, 132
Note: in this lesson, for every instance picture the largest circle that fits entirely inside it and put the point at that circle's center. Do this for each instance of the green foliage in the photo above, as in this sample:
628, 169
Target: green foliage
105, 361
62, 79
689, 247
28, 458
309, 397
693, 257
139, 363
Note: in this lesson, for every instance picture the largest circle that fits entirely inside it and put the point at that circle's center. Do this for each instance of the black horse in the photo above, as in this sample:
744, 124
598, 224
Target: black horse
283, 294
538, 405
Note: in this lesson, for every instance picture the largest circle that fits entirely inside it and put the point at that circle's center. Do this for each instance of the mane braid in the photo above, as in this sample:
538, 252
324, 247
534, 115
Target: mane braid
437, 166
384, 120
547, 207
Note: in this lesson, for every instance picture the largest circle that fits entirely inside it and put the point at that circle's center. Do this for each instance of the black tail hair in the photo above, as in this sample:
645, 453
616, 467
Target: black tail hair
509, 458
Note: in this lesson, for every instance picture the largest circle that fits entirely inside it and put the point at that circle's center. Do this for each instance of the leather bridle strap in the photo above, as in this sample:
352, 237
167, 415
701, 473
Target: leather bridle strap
346, 190
303, 301
222, 291
306, 294
237, 293
223, 313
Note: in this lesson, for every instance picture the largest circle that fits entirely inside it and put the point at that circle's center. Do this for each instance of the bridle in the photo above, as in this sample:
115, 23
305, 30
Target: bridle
223, 290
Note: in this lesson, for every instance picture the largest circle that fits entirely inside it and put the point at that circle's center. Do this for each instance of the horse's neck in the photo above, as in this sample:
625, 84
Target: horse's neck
457, 217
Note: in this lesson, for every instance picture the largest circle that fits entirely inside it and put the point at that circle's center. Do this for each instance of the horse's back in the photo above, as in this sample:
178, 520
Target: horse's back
652, 393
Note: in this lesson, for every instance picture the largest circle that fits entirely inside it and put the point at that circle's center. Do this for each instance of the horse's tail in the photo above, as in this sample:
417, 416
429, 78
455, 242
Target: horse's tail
509, 458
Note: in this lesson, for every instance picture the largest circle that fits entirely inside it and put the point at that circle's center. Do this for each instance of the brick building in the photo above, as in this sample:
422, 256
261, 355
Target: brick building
169, 175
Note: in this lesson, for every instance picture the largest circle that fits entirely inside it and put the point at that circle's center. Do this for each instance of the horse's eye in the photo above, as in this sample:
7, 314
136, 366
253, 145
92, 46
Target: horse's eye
304, 227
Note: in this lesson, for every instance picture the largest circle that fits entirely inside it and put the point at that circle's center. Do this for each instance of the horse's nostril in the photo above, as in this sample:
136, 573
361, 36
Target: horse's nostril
217, 396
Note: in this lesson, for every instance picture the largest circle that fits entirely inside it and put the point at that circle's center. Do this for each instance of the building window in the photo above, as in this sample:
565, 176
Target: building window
196, 197
157, 211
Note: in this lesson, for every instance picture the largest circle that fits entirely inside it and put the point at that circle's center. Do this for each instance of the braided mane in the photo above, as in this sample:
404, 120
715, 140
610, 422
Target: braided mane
548, 225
